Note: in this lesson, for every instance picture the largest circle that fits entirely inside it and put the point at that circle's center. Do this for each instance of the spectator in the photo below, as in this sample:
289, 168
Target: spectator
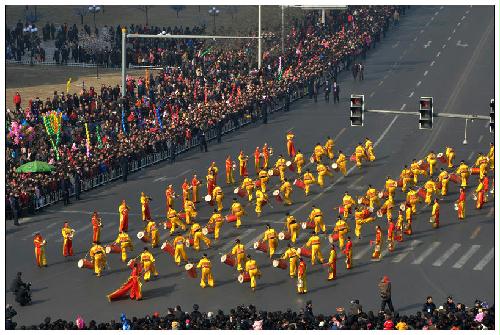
429, 306
17, 101
449, 305
385, 294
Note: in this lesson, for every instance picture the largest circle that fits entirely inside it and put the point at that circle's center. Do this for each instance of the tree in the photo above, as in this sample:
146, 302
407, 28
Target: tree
232, 10
178, 9
81, 12
145, 9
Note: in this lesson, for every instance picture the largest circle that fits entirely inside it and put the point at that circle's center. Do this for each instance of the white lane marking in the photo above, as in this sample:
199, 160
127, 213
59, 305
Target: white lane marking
421, 31
438, 54
402, 107
428, 44
419, 83
340, 133
436, 13
454, 31
427, 24
356, 181
425, 73
486, 125
486, 259
426, 253
491, 212
395, 45
461, 262
480, 139
432, 63
406, 251
380, 83
444, 45
449, 38
386, 76
372, 94
463, 18
440, 261
441, 7
361, 253
432, 18
475, 233
467, 11
411, 94
415, 39
458, 24
470, 156
164, 178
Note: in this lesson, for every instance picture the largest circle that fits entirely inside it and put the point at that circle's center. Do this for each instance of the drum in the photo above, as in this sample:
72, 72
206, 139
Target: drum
168, 248
399, 238
304, 252
363, 201
421, 193
85, 264
257, 183
423, 165
261, 246
365, 214
474, 196
383, 194
182, 215
442, 158
231, 218
299, 183
455, 206
308, 225
167, 225
454, 178
279, 263
209, 229
439, 185
131, 263
311, 159
402, 207
284, 235
241, 192
191, 270
379, 213
341, 210
244, 278
290, 166
189, 242
142, 236
228, 259
474, 170
353, 158
277, 196
333, 238
400, 182
208, 198
335, 166
113, 249
275, 172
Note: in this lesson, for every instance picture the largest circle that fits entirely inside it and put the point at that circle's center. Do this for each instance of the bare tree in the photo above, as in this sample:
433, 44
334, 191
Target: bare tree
179, 9
81, 12
233, 10
145, 9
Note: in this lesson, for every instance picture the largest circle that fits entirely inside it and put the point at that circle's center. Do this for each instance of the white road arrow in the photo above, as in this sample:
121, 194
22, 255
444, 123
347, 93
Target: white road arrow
459, 44
428, 44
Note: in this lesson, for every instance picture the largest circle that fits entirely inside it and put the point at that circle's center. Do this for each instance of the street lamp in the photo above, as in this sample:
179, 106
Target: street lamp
214, 11
32, 31
94, 9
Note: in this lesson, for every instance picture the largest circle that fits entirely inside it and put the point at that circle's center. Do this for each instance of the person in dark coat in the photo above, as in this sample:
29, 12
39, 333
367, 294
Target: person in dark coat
14, 207
429, 307
203, 141
124, 165
385, 294
336, 92
78, 185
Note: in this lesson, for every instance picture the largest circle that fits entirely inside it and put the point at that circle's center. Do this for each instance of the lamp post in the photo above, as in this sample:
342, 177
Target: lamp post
94, 9
31, 31
214, 11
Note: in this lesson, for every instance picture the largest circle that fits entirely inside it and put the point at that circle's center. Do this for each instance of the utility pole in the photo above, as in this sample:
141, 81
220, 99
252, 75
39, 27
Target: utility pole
260, 41
282, 30
124, 59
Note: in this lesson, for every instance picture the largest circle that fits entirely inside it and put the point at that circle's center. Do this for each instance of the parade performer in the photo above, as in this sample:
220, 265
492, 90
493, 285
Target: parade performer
372, 195
293, 257
435, 214
39, 242
430, 188
195, 183
155, 235
190, 211
132, 287
390, 235
98, 256
249, 186
292, 227
329, 144
399, 225
180, 253
237, 210
239, 251
463, 171
482, 164
332, 263
206, 272
341, 228
96, 227
308, 181
348, 253
370, 154
67, 234
147, 230
169, 196
486, 185
123, 210
299, 161
229, 171
286, 189
271, 236
123, 240
253, 270
146, 215
347, 203
341, 163
264, 178
431, 160
409, 219
444, 178
412, 199
218, 195
302, 277
406, 176
185, 192
260, 200
197, 236
216, 221
290, 147
314, 243
450, 155
148, 264
281, 166
491, 156
416, 170
256, 160
360, 154
322, 171
480, 194
316, 216
390, 187
265, 153
214, 170
319, 151
211, 185
243, 159
388, 205
359, 220
378, 243
175, 221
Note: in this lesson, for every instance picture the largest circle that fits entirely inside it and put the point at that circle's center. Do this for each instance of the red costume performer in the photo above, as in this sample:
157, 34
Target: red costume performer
96, 227
256, 157
348, 253
265, 153
123, 209
133, 286
289, 144
461, 204
39, 243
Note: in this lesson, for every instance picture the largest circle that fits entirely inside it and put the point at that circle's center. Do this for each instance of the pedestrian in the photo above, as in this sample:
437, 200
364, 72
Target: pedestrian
336, 92
17, 101
124, 165
78, 185
14, 207
327, 91
354, 70
361, 69
203, 141
385, 294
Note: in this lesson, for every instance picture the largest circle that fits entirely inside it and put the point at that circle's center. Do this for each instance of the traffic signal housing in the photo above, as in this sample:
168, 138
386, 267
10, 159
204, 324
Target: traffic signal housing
492, 116
357, 110
426, 113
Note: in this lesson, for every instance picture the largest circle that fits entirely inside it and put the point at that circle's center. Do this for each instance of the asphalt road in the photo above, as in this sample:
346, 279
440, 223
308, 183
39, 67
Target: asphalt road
425, 56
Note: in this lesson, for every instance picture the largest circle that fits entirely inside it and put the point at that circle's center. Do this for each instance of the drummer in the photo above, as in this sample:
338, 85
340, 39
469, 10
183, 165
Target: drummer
174, 220
281, 166
98, 256
293, 256
309, 179
218, 195
216, 221
180, 253
253, 270
272, 238
249, 186
264, 178
292, 226
299, 161
206, 271
286, 189
238, 210
260, 200
239, 251
125, 243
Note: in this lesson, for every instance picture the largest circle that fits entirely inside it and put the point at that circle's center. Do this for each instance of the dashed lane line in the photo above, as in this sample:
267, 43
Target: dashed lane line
475, 233
402, 107
480, 139
426, 72
411, 94
419, 83
362, 252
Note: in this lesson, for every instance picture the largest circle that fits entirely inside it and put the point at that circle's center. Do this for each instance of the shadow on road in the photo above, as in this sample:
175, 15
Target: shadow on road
158, 292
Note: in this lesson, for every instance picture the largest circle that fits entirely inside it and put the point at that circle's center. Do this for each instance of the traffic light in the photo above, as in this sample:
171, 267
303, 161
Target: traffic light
357, 110
426, 113
492, 116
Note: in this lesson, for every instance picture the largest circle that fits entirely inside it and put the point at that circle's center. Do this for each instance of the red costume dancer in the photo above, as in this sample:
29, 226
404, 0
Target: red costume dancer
461, 204
256, 157
96, 227
290, 147
133, 286
123, 209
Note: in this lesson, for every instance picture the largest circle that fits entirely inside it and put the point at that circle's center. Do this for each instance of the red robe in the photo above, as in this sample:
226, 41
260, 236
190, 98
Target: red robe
96, 229
131, 286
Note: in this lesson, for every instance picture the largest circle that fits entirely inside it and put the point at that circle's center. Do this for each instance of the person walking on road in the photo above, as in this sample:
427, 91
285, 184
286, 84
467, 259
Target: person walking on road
336, 92
327, 90
361, 71
385, 294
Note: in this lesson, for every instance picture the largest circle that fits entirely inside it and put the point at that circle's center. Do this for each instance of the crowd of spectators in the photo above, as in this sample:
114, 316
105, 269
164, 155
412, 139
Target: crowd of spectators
480, 316
200, 87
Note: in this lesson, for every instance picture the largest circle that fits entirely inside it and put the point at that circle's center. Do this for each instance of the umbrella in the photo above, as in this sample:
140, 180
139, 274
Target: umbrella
35, 166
